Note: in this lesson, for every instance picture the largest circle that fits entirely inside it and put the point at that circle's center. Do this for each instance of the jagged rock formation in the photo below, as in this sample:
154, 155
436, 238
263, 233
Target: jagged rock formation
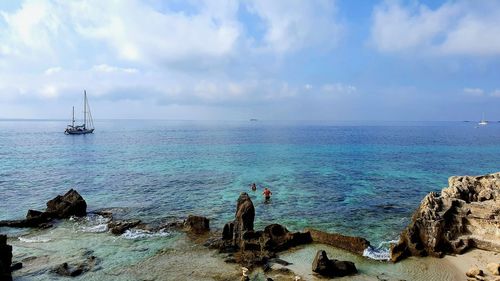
62, 206
5, 259
332, 267
249, 247
466, 214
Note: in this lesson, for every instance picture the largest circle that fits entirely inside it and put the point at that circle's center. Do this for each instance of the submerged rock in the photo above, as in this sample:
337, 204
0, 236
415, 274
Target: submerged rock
466, 214
356, 245
118, 227
332, 268
72, 270
5, 259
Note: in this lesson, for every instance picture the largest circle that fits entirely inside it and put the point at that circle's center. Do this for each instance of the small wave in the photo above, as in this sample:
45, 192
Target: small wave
139, 233
92, 223
381, 253
34, 239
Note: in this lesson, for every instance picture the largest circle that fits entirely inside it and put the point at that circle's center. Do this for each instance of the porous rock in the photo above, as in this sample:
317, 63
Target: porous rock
464, 215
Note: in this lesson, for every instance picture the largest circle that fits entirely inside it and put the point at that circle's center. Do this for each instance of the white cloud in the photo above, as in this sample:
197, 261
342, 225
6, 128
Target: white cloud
108, 69
477, 92
140, 33
294, 24
49, 91
52, 70
454, 28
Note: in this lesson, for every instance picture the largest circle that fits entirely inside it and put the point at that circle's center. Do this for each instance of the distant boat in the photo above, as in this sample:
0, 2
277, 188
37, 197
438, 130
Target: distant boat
483, 122
88, 124
254, 120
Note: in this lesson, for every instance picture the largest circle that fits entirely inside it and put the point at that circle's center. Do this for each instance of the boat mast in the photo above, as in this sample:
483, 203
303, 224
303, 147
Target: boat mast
73, 121
84, 108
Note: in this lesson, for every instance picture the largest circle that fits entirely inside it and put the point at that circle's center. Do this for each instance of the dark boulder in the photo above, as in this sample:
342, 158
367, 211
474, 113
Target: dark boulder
279, 238
197, 224
67, 205
353, 244
5, 259
332, 268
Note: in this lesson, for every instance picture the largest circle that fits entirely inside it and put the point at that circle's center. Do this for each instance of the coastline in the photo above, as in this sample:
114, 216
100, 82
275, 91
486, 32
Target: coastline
178, 257
66, 240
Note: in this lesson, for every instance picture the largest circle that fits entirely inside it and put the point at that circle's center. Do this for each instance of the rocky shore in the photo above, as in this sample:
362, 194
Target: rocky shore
464, 216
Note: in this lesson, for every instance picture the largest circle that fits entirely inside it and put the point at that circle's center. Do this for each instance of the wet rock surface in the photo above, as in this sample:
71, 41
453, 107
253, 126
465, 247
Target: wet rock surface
119, 227
464, 215
332, 267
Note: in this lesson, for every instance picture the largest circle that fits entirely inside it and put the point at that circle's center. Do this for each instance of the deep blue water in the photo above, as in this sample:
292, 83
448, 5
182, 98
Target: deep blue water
358, 178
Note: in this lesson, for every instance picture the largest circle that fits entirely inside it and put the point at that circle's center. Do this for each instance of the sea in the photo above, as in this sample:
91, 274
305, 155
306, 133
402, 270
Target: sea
359, 178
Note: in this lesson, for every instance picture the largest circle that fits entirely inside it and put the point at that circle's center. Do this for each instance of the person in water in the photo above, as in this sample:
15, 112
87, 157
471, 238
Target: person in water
267, 193
254, 187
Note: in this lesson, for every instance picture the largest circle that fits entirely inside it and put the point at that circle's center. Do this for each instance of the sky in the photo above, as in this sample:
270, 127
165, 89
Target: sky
235, 60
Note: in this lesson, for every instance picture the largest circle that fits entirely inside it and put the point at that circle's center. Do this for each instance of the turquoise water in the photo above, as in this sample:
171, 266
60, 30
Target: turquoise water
358, 178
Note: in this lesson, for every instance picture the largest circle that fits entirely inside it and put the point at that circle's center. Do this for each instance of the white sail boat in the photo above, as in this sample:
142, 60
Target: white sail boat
88, 123
483, 122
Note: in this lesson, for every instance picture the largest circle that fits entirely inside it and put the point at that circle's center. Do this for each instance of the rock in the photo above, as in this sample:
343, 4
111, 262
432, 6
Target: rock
65, 269
332, 268
70, 204
473, 272
16, 266
244, 217
279, 238
197, 224
5, 259
494, 268
227, 231
251, 247
355, 245
120, 226
463, 215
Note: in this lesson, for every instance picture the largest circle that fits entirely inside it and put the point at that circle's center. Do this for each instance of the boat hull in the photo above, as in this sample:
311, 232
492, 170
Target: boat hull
79, 132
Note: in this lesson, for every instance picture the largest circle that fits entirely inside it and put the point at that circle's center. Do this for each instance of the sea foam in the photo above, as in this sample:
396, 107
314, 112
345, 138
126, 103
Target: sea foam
34, 239
139, 233
380, 253
92, 223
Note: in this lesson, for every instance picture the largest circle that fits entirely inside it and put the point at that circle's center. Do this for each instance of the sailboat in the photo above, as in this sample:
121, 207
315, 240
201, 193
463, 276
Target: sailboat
483, 122
88, 124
